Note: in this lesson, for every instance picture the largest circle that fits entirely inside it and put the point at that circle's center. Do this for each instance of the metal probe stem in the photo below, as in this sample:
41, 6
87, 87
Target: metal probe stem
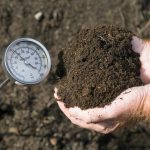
4, 83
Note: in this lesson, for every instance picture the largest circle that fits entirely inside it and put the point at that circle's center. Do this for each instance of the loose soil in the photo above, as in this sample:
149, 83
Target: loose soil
30, 118
97, 66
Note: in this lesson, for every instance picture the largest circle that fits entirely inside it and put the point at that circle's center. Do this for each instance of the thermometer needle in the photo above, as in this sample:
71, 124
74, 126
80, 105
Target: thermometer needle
25, 60
29, 64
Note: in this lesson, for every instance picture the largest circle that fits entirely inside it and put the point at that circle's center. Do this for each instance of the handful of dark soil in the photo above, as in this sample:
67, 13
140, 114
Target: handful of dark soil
97, 66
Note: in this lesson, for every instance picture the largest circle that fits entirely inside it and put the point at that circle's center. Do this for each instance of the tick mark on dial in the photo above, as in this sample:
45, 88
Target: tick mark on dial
22, 51
27, 51
41, 74
45, 66
32, 53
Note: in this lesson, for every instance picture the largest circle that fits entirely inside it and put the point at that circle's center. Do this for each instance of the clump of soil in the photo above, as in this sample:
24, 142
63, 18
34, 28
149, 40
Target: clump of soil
97, 66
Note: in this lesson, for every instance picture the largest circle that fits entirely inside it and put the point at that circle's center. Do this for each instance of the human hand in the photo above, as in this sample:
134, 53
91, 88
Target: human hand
132, 104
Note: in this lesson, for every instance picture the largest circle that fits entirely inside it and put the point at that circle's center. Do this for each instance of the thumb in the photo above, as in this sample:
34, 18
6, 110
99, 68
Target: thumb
145, 62
137, 44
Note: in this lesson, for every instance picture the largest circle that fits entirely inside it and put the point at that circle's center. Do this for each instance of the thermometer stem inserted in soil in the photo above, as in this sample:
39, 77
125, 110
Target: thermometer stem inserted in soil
4, 83
26, 61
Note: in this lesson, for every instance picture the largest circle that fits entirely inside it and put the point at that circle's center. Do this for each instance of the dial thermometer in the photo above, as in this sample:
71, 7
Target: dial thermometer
26, 61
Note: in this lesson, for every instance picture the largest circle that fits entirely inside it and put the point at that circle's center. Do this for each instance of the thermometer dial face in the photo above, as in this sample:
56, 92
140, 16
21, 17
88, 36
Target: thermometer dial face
27, 61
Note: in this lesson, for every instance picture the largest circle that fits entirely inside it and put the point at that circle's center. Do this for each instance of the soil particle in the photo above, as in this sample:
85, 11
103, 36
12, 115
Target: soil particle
97, 66
14, 130
53, 141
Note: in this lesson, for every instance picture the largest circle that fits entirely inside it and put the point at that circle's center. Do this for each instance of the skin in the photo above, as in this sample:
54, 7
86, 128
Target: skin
131, 105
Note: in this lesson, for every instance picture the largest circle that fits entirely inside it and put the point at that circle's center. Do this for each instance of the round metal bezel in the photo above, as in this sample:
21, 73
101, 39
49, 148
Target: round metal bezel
9, 72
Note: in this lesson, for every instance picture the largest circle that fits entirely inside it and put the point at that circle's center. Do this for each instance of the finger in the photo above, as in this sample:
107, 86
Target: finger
137, 44
91, 126
145, 63
109, 129
56, 94
84, 115
89, 115
125, 104
98, 127
96, 114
